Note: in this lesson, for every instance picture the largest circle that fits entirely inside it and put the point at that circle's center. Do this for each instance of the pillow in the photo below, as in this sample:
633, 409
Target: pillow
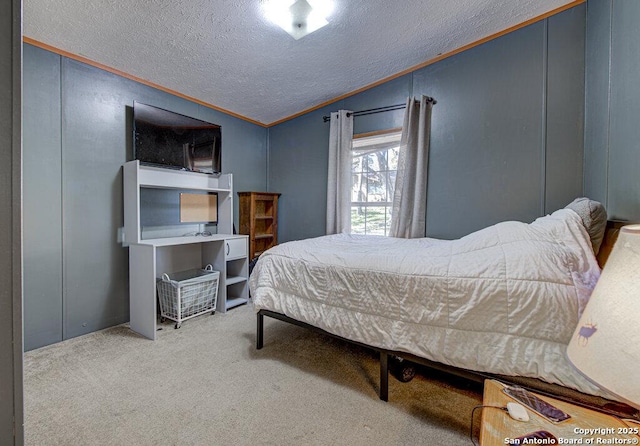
594, 219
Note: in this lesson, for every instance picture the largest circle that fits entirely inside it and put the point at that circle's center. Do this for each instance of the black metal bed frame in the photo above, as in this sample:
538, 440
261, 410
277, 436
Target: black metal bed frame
620, 409
384, 354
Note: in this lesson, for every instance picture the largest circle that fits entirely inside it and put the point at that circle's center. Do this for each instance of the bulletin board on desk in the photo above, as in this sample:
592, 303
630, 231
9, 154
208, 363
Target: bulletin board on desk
198, 208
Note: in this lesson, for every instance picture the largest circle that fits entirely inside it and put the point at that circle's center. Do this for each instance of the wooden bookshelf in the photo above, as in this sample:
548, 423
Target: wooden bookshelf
259, 220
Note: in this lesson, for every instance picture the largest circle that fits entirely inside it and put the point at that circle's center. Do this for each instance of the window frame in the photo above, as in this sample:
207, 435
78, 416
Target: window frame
371, 143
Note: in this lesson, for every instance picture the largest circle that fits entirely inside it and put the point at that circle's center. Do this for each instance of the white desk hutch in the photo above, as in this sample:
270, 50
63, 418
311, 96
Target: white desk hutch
150, 258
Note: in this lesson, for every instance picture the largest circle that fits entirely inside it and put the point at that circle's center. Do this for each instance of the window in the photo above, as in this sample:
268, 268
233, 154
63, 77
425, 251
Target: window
373, 176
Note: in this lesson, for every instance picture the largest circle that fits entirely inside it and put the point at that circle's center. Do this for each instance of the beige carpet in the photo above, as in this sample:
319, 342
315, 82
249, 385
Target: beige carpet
206, 384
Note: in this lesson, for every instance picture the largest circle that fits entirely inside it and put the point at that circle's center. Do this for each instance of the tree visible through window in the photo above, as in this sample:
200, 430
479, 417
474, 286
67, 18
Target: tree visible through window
373, 176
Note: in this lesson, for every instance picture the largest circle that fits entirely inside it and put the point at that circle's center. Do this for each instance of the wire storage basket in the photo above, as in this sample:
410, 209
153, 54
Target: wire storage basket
187, 294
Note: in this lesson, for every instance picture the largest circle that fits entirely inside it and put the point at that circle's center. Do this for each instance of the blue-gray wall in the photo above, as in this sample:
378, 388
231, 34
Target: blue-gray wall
612, 136
77, 135
507, 133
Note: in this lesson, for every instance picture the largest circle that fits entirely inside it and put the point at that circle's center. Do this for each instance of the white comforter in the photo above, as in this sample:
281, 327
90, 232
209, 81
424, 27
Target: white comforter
503, 300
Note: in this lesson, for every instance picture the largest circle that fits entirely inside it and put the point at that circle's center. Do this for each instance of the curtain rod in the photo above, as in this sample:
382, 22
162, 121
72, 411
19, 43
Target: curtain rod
372, 111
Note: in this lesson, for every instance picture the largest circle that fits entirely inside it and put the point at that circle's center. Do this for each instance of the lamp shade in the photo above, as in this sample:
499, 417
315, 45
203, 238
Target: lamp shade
606, 344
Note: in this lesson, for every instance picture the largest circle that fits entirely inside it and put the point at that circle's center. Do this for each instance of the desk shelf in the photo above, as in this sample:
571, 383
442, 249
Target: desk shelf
235, 279
236, 301
137, 176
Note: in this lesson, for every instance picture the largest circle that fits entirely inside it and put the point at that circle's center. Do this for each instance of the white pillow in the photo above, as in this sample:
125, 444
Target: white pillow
594, 219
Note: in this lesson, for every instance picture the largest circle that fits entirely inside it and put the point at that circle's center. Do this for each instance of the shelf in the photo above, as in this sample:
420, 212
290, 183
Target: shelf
137, 177
169, 178
235, 279
185, 240
259, 220
235, 301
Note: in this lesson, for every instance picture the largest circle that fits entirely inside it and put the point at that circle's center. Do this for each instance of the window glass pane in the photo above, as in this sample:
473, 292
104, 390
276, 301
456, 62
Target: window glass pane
376, 190
393, 157
376, 220
377, 161
356, 165
368, 163
358, 187
357, 220
391, 185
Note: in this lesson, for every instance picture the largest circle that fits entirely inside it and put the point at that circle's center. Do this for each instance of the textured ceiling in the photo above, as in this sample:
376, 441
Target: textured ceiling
225, 53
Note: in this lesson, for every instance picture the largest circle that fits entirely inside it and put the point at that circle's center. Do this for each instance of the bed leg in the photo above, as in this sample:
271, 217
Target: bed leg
259, 331
384, 376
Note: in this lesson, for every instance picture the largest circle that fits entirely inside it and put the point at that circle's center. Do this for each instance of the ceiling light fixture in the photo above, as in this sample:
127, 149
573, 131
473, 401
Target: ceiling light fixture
298, 17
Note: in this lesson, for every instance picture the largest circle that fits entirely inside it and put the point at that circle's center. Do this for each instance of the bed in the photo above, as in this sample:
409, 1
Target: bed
504, 300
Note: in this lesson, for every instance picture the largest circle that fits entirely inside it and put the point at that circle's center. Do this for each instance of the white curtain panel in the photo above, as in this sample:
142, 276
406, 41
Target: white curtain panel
409, 209
339, 175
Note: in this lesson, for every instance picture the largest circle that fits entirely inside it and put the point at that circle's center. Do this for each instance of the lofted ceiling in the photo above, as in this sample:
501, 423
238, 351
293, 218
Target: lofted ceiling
227, 54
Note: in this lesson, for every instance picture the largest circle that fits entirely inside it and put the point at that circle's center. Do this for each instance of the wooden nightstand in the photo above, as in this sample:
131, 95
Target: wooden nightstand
497, 425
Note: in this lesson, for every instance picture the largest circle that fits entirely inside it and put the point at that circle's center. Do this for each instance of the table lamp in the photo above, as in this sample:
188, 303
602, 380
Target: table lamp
606, 344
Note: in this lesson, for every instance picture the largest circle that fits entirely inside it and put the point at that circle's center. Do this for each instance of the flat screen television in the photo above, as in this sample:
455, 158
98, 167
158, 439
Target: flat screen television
167, 139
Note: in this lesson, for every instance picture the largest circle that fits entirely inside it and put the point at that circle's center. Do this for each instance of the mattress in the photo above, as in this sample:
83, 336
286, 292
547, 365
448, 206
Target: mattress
503, 300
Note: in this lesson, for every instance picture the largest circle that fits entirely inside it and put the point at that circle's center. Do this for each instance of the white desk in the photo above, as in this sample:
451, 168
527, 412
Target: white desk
149, 259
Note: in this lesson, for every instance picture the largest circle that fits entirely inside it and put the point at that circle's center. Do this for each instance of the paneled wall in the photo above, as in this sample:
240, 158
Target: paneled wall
42, 188
612, 147
77, 135
507, 133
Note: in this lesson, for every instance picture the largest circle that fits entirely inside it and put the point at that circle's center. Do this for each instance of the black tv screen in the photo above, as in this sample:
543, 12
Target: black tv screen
168, 139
